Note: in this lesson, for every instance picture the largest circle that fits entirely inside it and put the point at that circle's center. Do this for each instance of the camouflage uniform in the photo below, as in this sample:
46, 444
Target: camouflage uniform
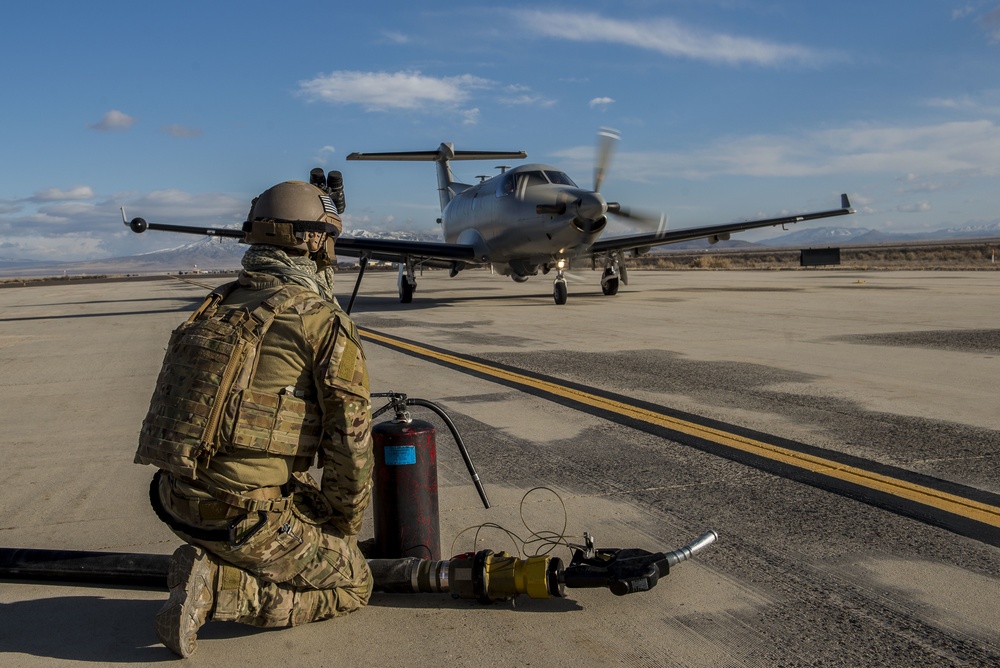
293, 555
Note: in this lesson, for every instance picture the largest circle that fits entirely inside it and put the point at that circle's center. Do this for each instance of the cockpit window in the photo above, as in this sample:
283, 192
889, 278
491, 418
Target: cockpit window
517, 181
506, 185
528, 179
559, 178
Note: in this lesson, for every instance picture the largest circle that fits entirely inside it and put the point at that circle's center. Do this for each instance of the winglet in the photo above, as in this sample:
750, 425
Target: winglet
846, 203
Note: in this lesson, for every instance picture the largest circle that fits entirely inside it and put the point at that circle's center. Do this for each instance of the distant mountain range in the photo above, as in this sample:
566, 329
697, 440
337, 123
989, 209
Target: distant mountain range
815, 236
207, 254
222, 254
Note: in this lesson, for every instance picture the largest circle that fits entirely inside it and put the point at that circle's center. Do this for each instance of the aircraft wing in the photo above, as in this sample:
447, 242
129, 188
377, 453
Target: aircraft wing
387, 250
393, 250
710, 231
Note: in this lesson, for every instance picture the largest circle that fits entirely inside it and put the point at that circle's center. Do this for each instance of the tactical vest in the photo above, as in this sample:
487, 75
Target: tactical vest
205, 383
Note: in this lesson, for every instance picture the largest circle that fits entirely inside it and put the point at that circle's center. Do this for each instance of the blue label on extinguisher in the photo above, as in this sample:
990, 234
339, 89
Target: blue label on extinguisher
400, 455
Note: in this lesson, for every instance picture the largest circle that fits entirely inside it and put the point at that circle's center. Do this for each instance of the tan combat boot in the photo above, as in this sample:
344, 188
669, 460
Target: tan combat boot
191, 579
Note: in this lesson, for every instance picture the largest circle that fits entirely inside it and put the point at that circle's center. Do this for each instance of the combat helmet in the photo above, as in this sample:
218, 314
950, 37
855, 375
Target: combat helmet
283, 214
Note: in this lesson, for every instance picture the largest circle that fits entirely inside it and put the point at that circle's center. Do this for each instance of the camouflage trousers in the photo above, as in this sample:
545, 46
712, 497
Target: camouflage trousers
287, 572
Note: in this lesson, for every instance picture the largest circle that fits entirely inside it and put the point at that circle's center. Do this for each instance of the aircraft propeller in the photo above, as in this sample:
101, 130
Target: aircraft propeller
607, 140
590, 207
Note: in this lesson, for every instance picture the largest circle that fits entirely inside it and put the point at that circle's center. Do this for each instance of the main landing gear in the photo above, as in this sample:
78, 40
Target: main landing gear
406, 282
614, 273
609, 281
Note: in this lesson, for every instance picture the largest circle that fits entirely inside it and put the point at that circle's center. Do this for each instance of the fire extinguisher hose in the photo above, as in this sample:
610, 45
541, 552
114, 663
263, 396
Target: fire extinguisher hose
458, 441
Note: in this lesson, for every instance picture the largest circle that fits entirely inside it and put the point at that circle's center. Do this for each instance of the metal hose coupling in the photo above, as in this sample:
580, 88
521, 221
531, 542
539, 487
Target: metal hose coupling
488, 576
485, 576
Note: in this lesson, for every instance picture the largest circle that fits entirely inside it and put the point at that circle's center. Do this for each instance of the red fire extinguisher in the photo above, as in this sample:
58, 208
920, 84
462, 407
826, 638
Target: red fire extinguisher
405, 494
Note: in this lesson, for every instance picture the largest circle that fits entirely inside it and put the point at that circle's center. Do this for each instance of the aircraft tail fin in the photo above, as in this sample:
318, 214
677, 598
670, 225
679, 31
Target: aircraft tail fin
448, 187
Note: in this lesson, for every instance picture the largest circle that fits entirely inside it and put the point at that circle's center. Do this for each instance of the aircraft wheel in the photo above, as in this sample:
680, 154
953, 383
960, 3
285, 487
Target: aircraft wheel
405, 292
610, 286
559, 292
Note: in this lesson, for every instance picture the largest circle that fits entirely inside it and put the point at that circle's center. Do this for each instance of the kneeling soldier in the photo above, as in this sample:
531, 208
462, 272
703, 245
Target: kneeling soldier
266, 378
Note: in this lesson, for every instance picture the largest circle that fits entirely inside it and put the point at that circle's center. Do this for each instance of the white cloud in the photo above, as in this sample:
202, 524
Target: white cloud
667, 37
470, 116
181, 131
113, 120
55, 194
520, 95
601, 102
324, 155
68, 211
65, 246
970, 148
984, 103
88, 226
962, 12
379, 91
951, 103
393, 37
178, 205
991, 22
918, 207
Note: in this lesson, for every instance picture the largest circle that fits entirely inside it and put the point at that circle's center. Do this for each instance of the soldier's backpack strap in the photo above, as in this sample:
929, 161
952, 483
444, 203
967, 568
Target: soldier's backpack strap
212, 301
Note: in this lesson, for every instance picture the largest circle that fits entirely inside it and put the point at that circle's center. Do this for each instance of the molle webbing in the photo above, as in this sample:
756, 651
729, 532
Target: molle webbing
205, 357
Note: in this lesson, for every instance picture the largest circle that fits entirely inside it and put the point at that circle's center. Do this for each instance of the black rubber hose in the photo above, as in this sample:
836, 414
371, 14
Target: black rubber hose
149, 571
458, 441
114, 568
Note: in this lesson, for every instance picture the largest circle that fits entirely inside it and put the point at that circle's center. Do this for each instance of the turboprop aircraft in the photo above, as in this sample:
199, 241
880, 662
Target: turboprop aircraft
533, 218
527, 219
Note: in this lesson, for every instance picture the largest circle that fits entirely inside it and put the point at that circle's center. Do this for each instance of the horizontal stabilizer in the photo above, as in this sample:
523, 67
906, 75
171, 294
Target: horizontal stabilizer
444, 152
448, 187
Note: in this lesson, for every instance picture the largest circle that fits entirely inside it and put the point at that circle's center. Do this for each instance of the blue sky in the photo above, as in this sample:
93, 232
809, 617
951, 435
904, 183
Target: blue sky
728, 109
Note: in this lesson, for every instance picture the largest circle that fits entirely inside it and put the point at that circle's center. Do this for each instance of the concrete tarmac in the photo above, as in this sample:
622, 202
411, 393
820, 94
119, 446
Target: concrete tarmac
890, 369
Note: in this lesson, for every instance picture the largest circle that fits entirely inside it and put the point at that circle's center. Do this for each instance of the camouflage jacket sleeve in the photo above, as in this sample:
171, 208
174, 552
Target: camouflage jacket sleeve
345, 399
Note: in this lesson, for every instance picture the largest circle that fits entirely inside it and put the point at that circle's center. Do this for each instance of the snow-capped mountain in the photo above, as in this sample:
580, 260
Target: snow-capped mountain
222, 254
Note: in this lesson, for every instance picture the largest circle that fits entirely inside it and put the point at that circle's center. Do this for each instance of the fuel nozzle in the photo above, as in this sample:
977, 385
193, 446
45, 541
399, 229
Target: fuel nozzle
629, 570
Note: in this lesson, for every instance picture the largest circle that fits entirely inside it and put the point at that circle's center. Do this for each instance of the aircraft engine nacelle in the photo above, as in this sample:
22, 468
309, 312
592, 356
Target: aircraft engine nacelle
716, 238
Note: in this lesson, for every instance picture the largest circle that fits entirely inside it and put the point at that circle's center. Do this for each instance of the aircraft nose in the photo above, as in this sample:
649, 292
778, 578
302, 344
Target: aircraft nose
591, 207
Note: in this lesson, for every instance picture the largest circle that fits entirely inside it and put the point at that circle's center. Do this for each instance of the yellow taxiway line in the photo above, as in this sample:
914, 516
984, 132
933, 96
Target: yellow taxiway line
943, 501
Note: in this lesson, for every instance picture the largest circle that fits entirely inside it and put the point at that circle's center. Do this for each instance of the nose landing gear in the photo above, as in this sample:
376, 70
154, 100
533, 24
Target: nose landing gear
559, 292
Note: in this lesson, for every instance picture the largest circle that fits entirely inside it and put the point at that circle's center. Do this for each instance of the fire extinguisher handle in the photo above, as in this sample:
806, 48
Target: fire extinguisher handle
458, 441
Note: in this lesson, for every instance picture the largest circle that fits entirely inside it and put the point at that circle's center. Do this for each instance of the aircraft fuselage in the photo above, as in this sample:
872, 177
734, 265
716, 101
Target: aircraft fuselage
528, 216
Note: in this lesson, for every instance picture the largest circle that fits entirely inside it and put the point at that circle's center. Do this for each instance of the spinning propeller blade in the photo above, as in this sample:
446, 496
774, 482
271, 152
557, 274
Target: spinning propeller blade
606, 141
